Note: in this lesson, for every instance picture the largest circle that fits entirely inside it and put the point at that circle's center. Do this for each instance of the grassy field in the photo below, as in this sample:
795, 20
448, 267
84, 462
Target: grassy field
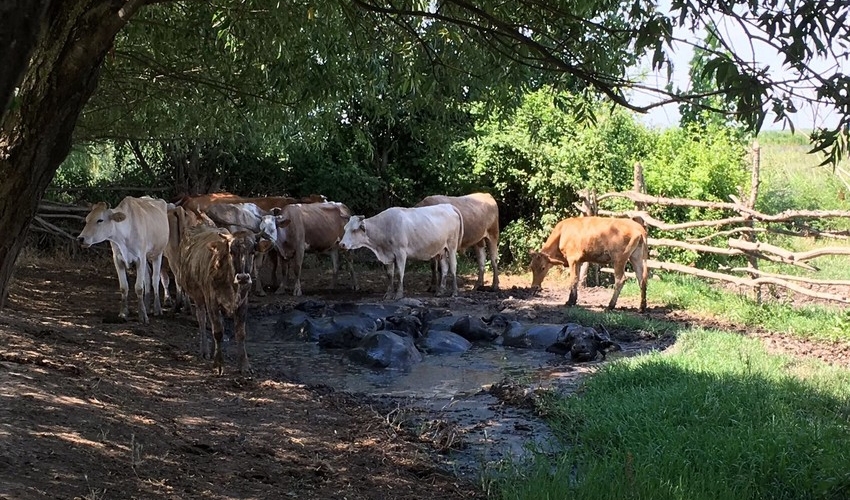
715, 416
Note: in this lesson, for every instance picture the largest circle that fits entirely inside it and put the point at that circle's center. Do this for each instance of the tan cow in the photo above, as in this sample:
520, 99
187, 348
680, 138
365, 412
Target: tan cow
600, 240
179, 220
480, 225
398, 234
137, 230
215, 271
314, 227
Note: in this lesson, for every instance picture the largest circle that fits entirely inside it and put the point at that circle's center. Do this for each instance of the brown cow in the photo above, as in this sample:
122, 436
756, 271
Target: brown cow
314, 227
601, 240
215, 271
200, 203
480, 225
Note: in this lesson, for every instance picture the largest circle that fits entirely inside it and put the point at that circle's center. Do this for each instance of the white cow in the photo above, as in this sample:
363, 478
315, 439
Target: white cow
420, 233
137, 230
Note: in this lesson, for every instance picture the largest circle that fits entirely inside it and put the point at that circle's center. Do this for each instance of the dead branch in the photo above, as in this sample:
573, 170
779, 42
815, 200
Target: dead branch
786, 255
53, 228
801, 279
744, 249
653, 264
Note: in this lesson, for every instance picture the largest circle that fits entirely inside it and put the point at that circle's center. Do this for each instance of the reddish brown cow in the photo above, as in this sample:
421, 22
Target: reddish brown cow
215, 271
200, 203
600, 240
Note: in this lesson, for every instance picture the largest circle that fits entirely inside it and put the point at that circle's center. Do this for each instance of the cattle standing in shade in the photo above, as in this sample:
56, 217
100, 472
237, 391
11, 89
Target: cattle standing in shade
178, 221
398, 234
202, 202
137, 230
315, 227
601, 240
480, 226
215, 271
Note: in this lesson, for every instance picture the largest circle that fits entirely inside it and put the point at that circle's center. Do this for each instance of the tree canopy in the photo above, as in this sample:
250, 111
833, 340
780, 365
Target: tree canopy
267, 73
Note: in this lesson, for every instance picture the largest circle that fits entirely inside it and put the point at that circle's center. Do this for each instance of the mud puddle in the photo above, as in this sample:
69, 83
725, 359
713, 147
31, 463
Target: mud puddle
474, 408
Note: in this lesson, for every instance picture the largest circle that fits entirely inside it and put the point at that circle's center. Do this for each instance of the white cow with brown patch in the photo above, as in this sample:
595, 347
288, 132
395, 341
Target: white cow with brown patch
301, 228
480, 227
398, 234
137, 231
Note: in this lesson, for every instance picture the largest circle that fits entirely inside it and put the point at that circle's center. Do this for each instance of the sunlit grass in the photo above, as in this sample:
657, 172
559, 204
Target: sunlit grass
715, 417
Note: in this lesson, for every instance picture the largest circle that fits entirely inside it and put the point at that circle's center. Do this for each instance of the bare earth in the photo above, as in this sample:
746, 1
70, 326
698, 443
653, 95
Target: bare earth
93, 408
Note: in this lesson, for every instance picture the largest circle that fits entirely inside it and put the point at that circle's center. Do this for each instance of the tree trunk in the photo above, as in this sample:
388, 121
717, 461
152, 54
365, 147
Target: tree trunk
58, 79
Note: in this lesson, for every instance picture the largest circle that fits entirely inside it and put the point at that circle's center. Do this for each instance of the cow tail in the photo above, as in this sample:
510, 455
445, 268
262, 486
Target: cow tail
460, 229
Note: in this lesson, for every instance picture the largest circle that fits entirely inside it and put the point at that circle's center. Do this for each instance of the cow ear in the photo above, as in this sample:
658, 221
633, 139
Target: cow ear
552, 260
283, 222
264, 245
362, 225
118, 216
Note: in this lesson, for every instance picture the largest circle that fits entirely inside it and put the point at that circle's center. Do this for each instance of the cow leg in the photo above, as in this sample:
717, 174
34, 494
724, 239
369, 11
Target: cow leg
493, 248
642, 275
259, 260
350, 260
299, 260
156, 279
572, 283
165, 279
444, 273
201, 315
390, 276
400, 263
121, 269
335, 265
284, 264
481, 257
239, 322
619, 281
452, 256
142, 286
435, 267
217, 326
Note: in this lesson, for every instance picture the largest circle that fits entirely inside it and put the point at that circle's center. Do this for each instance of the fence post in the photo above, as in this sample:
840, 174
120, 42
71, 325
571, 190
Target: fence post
751, 204
590, 208
639, 185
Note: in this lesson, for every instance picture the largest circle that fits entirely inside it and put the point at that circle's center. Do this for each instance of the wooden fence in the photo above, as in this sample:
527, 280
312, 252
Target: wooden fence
741, 225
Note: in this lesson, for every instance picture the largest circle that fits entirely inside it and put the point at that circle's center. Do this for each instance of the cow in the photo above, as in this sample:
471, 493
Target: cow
397, 234
480, 226
241, 216
179, 220
215, 271
137, 230
200, 203
600, 240
314, 227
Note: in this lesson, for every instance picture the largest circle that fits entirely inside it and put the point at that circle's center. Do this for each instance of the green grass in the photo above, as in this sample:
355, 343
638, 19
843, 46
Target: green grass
701, 298
716, 417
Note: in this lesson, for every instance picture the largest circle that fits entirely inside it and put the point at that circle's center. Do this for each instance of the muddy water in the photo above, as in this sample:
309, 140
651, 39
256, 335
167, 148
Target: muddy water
448, 389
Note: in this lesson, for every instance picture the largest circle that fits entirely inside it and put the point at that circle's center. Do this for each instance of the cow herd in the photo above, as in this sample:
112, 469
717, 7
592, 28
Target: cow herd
214, 246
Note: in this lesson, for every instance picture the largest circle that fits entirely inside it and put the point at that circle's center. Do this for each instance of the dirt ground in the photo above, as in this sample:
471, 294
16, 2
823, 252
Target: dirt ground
96, 409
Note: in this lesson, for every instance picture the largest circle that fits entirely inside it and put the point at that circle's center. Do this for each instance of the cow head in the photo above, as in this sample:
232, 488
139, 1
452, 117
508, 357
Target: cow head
273, 227
100, 224
243, 245
540, 265
583, 343
355, 233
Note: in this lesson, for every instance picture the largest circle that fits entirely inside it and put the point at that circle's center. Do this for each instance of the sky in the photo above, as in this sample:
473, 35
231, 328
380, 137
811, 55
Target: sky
806, 118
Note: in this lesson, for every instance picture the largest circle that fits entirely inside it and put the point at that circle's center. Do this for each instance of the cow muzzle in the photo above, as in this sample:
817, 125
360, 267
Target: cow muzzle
242, 279
82, 241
